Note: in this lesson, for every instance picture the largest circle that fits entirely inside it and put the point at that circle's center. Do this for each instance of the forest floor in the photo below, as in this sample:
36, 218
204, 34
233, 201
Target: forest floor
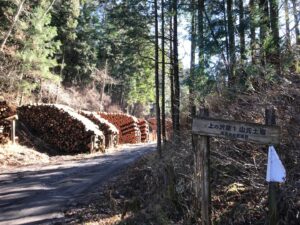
160, 191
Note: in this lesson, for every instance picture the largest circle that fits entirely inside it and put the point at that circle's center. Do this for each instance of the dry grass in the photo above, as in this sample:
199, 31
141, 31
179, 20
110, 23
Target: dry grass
17, 155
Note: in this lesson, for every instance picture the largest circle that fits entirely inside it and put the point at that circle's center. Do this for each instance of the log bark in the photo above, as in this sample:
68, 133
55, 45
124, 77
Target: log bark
63, 128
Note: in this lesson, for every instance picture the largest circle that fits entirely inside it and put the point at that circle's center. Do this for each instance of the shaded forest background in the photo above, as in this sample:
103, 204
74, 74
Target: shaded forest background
102, 53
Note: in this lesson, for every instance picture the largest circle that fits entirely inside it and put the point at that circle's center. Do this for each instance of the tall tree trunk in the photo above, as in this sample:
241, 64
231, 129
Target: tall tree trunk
226, 32
157, 82
163, 72
172, 65
275, 48
252, 30
242, 31
16, 17
231, 78
287, 24
264, 29
192, 66
176, 73
296, 18
201, 36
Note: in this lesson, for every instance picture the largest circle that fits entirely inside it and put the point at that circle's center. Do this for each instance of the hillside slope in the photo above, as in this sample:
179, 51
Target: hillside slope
161, 191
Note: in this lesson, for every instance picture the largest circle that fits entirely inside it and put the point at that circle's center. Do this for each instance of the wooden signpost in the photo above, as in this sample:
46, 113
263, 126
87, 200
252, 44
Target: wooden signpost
13, 119
202, 128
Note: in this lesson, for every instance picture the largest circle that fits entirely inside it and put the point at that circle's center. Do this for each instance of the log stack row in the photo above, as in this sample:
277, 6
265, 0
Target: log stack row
63, 128
153, 128
6, 111
144, 128
110, 131
127, 125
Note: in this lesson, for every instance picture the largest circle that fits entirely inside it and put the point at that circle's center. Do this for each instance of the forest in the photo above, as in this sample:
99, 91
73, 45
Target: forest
112, 51
167, 59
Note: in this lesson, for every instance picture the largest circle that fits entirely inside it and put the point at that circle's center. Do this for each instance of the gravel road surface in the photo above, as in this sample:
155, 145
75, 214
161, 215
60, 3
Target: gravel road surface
39, 194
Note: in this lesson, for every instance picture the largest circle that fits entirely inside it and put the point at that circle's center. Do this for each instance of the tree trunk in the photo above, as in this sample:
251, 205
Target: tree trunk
157, 82
252, 30
16, 17
287, 24
275, 48
264, 29
163, 72
226, 32
192, 67
296, 18
232, 61
242, 31
172, 67
103, 84
176, 74
201, 36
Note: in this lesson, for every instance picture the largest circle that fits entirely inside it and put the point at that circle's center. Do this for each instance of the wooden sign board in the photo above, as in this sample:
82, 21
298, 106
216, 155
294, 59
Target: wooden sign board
235, 130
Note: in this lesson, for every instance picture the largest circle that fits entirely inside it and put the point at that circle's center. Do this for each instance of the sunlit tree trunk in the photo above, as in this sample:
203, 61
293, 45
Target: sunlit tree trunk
163, 72
171, 64
157, 82
287, 24
226, 31
192, 66
201, 36
176, 73
296, 18
16, 17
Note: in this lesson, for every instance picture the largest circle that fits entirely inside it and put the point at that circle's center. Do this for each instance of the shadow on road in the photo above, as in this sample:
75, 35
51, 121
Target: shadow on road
40, 195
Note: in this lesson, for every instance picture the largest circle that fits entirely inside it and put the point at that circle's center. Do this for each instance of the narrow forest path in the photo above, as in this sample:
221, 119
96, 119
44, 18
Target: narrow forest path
38, 195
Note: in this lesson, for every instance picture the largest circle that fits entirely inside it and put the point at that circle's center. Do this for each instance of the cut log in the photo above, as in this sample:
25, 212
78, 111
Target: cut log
110, 131
6, 110
144, 128
127, 126
63, 128
153, 128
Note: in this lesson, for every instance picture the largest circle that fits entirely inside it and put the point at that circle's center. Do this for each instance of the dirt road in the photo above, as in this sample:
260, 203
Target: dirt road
38, 195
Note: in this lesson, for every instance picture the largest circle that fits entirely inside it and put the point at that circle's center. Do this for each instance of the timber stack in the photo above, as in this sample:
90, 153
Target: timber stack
153, 128
63, 128
127, 125
144, 128
6, 112
110, 131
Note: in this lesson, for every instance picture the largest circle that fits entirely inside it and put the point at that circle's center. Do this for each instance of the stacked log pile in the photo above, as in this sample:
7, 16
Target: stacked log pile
127, 125
110, 131
63, 128
153, 128
6, 111
144, 128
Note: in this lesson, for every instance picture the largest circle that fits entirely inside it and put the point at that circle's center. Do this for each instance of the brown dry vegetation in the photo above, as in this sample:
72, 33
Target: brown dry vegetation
13, 155
161, 191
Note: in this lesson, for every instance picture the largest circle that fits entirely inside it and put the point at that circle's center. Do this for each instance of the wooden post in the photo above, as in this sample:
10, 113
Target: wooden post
92, 144
202, 173
270, 119
13, 131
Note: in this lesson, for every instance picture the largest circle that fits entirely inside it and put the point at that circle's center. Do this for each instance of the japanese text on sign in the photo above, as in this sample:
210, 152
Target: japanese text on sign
237, 130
